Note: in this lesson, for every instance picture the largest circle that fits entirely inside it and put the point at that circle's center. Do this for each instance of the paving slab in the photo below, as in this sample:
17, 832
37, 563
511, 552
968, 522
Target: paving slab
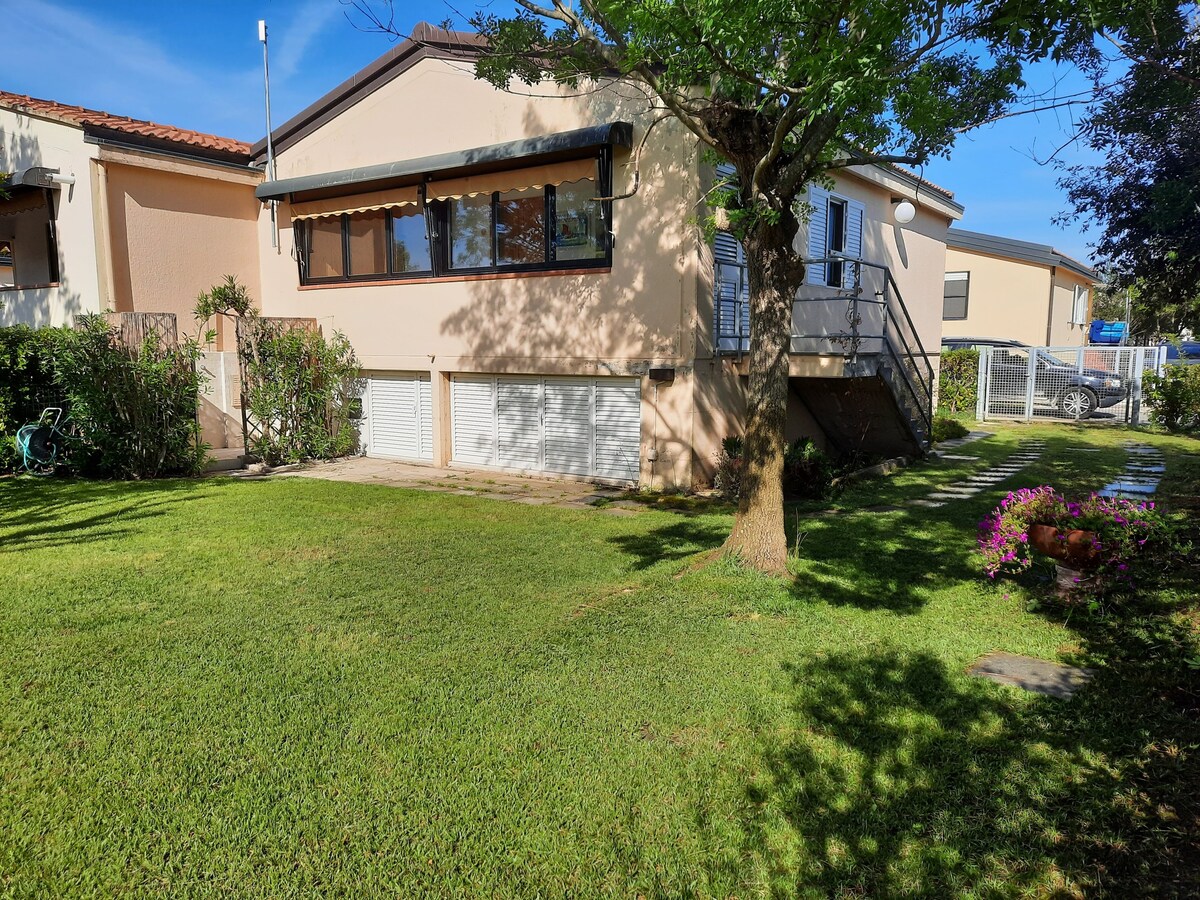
943, 495
1142, 489
1031, 674
927, 504
958, 457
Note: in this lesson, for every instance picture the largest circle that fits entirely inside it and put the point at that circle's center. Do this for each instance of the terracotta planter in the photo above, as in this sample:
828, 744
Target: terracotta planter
1075, 549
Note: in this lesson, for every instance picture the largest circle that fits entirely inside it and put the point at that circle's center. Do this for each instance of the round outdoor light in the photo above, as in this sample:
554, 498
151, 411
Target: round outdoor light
905, 212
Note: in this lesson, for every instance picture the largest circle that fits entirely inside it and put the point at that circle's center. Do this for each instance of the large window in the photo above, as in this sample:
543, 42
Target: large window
466, 230
954, 299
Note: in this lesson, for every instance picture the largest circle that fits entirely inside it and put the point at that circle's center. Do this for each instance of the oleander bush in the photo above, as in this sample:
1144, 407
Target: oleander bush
1175, 397
958, 381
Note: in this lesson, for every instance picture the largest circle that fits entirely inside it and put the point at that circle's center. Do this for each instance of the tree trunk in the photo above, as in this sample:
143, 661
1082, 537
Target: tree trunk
775, 274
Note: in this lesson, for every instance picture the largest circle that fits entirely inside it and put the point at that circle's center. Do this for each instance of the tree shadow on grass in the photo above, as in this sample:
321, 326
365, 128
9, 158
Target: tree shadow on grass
672, 542
44, 513
886, 561
892, 775
901, 779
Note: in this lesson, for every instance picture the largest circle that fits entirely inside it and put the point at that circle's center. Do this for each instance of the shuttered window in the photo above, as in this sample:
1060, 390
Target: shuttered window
563, 425
1079, 306
835, 229
954, 298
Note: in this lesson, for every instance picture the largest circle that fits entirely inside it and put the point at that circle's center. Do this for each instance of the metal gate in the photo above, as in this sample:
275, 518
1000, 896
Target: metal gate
1066, 383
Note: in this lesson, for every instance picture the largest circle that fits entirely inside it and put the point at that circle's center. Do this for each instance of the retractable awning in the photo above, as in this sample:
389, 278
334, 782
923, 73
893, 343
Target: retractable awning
527, 153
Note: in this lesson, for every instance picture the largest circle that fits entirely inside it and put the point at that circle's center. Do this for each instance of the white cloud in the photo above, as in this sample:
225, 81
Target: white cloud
304, 26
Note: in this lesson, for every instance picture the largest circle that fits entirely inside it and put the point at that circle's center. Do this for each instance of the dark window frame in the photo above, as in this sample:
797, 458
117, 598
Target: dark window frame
835, 271
966, 298
437, 232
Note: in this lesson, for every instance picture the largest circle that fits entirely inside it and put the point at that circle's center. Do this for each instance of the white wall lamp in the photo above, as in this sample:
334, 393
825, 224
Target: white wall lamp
904, 212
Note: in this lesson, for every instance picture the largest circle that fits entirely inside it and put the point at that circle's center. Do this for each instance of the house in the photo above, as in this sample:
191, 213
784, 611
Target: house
109, 213
517, 304
998, 287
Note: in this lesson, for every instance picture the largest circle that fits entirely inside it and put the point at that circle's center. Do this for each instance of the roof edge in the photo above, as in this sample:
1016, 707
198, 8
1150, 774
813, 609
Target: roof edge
1015, 248
490, 157
426, 41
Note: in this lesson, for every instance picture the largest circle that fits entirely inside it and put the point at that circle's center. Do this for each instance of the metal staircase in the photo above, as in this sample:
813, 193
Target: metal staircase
882, 399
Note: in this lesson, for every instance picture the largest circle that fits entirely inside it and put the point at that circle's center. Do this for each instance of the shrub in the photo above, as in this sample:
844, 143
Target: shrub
303, 391
958, 380
947, 429
728, 478
27, 384
1175, 397
133, 408
807, 470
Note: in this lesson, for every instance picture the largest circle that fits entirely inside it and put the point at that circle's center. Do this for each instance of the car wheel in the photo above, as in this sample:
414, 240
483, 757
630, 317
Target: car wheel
1078, 402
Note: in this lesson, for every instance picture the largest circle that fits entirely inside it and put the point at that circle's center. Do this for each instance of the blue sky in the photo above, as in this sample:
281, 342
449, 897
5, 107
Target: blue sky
199, 65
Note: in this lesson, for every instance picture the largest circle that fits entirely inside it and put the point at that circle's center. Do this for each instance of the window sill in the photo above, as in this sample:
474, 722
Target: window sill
28, 287
483, 276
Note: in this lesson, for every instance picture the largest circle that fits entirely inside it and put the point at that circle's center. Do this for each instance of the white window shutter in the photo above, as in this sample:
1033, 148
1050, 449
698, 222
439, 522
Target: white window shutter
855, 214
818, 198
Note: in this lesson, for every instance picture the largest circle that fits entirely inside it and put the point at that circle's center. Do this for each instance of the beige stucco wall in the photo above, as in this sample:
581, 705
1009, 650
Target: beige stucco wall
1062, 332
175, 229
642, 313
1007, 298
27, 141
1011, 299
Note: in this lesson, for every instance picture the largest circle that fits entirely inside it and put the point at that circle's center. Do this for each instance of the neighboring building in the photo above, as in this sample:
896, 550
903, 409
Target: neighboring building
999, 287
112, 213
108, 213
513, 310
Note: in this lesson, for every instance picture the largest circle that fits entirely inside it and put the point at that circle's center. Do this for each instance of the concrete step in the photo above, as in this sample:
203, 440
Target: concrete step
226, 459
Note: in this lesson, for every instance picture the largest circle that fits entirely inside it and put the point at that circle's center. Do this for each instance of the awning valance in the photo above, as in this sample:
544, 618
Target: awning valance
335, 206
513, 180
22, 202
459, 163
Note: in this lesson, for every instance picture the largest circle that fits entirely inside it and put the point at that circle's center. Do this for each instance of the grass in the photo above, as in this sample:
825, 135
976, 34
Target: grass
304, 688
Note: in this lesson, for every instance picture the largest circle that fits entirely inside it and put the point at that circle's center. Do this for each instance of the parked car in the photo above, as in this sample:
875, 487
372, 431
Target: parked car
1059, 386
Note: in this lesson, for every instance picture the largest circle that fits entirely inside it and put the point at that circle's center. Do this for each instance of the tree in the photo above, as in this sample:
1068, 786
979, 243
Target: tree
1145, 194
779, 89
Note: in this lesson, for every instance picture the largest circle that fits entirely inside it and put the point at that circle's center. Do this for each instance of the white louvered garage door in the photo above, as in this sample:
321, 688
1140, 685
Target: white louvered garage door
400, 416
568, 426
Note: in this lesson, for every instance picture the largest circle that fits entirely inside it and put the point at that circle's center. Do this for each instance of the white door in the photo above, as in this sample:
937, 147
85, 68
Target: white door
568, 426
400, 416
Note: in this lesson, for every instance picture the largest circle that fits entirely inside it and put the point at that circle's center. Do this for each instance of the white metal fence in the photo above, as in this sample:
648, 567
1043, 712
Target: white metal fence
1066, 383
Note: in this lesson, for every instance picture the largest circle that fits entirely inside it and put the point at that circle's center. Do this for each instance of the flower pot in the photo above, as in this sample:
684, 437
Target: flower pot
1075, 549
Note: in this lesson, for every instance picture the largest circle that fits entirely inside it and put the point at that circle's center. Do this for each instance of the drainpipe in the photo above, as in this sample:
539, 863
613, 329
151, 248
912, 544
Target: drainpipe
103, 232
1050, 314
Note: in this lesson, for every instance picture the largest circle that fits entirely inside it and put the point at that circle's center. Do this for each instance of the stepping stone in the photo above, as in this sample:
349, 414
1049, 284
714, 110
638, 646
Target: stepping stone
1031, 674
928, 504
1129, 487
942, 495
1146, 470
965, 491
956, 456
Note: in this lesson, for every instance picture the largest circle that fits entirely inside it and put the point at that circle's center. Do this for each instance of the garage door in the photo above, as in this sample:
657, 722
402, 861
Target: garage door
568, 426
400, 416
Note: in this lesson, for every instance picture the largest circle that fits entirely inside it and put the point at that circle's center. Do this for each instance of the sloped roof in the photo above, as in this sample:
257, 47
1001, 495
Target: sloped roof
185, 139
1042, 254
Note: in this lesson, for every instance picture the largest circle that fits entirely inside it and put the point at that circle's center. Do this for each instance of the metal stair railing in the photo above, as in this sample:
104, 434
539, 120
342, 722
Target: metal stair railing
889, 334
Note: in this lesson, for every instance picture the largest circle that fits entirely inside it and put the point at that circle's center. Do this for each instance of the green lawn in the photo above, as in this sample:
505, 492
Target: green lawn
303, 688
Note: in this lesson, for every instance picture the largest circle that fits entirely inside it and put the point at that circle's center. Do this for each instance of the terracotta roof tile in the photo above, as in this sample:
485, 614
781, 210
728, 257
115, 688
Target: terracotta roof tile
78, 115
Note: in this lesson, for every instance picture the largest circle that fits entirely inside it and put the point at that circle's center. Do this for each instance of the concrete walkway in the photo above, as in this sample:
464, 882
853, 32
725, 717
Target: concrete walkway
495, 485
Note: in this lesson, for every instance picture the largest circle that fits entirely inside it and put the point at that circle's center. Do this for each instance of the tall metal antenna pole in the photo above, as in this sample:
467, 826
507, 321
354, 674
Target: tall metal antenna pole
271, 174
